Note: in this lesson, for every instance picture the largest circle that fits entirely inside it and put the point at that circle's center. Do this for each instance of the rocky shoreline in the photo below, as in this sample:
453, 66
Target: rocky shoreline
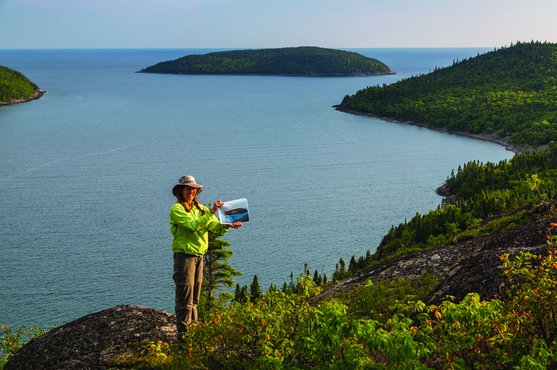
38, 94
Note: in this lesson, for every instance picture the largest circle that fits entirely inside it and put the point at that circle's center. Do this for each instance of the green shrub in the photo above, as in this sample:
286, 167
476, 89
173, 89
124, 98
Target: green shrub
12, 339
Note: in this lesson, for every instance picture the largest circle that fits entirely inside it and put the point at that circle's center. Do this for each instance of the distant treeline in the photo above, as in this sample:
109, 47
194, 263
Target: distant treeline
510, 92
14, 86
303, 61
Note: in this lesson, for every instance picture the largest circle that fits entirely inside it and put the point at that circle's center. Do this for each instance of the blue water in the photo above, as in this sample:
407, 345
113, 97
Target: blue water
86, 173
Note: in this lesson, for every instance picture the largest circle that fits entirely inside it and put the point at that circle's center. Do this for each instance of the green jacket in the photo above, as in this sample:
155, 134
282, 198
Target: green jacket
190, 229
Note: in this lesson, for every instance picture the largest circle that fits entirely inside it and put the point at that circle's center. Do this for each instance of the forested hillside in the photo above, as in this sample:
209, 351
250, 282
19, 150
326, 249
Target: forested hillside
298, 61
510, 92
15, 87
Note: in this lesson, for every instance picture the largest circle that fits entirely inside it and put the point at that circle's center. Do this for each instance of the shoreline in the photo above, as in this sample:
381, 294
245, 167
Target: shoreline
38, 94
485, 137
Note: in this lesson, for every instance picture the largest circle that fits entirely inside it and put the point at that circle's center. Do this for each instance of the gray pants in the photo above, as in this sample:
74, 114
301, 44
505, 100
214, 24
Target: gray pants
188, 275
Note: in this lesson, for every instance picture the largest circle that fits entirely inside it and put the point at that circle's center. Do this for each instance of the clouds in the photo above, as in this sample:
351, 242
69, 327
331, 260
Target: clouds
272, 23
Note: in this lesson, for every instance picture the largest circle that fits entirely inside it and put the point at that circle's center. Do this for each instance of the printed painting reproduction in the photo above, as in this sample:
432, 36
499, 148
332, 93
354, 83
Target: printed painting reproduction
233, 210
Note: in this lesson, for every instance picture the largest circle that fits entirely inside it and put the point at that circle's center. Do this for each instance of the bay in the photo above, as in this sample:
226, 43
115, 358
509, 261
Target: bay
86, 174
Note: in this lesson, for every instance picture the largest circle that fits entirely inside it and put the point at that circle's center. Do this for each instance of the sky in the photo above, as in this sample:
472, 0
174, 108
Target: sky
29, 24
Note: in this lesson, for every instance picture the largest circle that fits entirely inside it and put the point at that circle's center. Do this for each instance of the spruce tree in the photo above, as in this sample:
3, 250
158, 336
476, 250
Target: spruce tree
352, 267
342, 267
217, 272
255, 289
316, 278
238, 293
244, 295
340, 270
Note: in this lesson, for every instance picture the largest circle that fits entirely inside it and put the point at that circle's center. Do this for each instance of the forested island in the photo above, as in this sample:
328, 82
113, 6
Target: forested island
16, 88
293, 61
509, 94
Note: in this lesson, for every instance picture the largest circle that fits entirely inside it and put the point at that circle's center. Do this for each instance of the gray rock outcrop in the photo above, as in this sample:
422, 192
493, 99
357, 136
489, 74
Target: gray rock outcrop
461, 268
93, 341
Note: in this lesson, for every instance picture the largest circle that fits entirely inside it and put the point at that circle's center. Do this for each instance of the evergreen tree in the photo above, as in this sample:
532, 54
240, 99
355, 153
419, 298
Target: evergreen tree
340, 270
237, 293
255, 289
292, 286
352, 267
244, 295
241, 294
217, 272
342, 267
316, 278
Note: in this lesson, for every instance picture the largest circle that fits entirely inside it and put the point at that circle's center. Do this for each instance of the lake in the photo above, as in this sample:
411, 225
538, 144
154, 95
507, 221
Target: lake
86, 174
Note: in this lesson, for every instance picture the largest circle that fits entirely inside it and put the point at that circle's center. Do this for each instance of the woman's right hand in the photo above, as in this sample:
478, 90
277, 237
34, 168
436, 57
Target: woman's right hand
216, 205
236, 224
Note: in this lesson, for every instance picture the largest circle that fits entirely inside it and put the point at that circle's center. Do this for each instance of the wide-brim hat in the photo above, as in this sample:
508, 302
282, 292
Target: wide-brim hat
188, 181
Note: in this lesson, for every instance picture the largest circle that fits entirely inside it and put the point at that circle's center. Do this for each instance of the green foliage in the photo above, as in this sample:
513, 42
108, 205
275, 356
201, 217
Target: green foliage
15, 86
13, 339
381, 301
283, 331
534, 291
306, 61
467, 333
510, 92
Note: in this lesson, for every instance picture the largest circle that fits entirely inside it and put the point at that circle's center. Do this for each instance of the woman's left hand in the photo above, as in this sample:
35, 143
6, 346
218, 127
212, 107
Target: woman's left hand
216, 205
236, 224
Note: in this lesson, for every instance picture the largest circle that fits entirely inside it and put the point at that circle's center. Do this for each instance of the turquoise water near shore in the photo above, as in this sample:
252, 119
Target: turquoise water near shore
86, 173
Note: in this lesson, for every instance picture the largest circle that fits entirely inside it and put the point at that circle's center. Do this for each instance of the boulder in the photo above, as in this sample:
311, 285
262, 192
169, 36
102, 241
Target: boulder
93, 341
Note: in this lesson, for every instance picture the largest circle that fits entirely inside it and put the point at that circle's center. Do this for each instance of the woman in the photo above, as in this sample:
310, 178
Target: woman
190, 223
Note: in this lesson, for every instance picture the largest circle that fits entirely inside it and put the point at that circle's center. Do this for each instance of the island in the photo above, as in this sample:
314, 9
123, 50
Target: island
291, 61
16, 88
507, 95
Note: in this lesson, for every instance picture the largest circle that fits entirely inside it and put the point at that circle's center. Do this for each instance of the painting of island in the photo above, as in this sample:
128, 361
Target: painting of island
234, 210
